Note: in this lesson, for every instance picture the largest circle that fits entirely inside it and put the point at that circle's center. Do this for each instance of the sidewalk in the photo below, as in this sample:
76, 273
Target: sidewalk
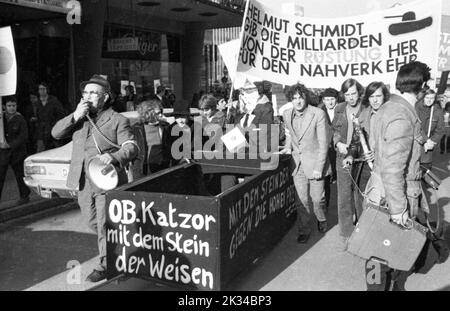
10, 194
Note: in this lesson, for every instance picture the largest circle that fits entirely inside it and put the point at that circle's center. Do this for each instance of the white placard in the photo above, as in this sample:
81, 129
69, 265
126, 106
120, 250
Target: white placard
8, 65
234, 140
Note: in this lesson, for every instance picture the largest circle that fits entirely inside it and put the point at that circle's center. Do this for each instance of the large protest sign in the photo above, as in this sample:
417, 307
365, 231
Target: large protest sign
324, 52
173, 228
444, 48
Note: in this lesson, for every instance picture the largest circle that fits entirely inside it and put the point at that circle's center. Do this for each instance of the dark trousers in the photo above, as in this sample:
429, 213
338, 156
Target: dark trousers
361, 175
18, 172
445, 144
93, 210
346, 203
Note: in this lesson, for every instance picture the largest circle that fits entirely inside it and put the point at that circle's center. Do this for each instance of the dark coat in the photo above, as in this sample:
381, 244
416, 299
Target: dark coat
340, 124
331, 150
47, 116
16, 135
112, 124
396, 137
437, 126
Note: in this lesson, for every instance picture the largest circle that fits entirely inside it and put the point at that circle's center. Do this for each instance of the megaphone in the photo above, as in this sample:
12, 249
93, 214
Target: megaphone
104, 176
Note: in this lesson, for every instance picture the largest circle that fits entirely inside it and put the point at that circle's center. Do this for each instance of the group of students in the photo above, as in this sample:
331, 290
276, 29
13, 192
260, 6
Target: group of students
325, 144
374, 140
346, 141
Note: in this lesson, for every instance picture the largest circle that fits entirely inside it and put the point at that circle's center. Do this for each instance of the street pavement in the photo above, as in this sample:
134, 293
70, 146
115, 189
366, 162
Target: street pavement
55, 251
10, 193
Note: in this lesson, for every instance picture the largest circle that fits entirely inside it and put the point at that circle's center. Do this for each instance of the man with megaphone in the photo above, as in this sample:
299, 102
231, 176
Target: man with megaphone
100, 133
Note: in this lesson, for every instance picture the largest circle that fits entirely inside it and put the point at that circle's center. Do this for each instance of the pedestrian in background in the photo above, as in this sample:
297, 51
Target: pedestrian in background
156, 133
32, 123
432, 118
445, 140
329, 98
14, 150
49, 111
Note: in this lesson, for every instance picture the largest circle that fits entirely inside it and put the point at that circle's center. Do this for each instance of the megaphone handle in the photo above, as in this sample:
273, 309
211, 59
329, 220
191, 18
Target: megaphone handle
107, 169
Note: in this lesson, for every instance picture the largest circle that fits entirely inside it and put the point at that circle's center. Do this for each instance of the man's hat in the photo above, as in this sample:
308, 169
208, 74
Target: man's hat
97, 79
330, 92
249, 86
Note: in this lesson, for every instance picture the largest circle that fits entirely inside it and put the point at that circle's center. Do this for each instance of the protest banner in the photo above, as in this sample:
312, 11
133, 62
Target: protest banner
173, 228
444, 48
320, 53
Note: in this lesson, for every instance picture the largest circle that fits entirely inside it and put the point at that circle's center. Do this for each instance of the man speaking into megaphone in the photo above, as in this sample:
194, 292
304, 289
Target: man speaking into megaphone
98, 132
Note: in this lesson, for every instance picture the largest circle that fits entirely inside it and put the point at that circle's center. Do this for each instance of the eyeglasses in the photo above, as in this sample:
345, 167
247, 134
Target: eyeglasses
92, 93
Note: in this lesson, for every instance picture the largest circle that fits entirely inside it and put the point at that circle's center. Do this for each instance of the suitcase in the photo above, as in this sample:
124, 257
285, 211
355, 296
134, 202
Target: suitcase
376, 237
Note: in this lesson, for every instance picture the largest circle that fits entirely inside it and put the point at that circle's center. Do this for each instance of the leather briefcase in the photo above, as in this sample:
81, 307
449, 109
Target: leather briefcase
376, 237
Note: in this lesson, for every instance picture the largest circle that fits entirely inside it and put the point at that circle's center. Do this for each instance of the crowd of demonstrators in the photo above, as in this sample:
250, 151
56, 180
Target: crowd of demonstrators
13, 150
318, 131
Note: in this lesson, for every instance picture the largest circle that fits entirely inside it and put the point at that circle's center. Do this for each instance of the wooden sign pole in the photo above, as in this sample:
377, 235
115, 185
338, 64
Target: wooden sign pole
2, 128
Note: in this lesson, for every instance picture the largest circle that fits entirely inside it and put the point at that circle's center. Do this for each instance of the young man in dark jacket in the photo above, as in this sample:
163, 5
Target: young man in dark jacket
397, 140
14, 151
342, 126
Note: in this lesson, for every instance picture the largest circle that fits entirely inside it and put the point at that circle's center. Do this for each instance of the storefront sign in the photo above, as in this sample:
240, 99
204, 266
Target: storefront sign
60, 6
444, 48
123, 44
131, 44
324, 52
126, 43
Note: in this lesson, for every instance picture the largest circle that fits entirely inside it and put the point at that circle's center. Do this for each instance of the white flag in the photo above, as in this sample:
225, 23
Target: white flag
229, 52
8, 66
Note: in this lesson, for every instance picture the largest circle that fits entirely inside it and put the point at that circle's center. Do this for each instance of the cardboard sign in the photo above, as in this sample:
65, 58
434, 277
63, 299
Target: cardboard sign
172, 228
234, 140
319, 53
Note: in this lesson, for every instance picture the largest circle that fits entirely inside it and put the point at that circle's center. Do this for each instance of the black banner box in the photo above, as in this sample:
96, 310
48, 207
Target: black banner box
176, 227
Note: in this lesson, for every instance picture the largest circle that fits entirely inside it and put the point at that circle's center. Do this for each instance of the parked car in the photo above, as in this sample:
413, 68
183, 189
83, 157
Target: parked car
46, 172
